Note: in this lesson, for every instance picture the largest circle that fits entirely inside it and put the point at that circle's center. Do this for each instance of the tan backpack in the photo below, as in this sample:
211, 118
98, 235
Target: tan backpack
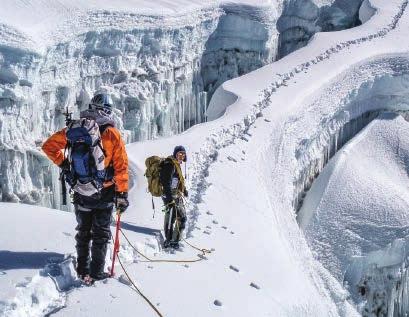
152, 173
153, 165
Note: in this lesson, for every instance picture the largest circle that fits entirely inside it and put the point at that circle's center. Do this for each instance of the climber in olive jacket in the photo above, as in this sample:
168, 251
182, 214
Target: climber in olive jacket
174, 189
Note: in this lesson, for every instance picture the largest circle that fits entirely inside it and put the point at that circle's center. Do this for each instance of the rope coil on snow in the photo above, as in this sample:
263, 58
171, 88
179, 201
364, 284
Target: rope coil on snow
204, 252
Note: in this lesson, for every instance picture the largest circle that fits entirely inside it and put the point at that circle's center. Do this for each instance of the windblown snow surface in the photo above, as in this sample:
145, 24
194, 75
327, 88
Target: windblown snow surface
271, 135
360, 231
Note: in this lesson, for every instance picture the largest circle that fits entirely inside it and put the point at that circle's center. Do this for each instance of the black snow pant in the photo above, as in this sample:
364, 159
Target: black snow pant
174, 225
93, 226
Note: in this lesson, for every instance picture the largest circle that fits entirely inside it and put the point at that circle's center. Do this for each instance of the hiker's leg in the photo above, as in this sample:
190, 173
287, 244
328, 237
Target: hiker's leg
180, 220
82, 238
169, 222
101, 234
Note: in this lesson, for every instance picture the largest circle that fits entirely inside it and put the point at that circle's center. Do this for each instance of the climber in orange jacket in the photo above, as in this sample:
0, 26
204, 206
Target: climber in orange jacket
94, 162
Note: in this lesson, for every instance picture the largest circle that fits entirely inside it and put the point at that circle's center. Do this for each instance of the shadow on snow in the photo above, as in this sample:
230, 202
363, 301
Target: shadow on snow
10, 260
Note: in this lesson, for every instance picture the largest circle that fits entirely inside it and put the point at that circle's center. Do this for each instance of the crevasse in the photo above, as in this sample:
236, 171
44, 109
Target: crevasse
386, 91
376, 286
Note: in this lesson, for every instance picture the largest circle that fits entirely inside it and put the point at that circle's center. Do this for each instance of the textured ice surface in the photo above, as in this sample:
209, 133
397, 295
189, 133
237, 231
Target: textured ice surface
301, 19
366, 11
379, 281
244, 40
161, 70
158, 70
384, 87
350, 213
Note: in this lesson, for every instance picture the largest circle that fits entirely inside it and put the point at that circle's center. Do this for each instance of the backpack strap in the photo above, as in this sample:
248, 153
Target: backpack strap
102, 149
181, 185
102, 128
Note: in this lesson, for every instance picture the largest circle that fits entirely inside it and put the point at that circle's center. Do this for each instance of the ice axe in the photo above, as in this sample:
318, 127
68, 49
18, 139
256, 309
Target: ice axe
116, 241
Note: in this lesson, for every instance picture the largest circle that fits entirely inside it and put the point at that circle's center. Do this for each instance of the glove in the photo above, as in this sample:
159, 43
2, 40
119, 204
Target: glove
121, 201
186, 193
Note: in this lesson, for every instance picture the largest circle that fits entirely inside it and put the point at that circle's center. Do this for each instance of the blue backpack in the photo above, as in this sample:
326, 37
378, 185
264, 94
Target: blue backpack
86, 157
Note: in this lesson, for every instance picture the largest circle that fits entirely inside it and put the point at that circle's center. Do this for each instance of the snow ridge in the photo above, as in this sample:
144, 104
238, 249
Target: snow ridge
336, 49
359, 107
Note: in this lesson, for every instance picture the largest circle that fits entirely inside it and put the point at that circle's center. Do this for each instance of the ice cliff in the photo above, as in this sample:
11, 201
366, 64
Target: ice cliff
160, 69
301, 19
361, 237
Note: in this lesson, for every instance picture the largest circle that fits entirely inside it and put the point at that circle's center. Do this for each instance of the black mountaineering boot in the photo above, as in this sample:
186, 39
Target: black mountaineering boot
100, 276
166, 244
174, 244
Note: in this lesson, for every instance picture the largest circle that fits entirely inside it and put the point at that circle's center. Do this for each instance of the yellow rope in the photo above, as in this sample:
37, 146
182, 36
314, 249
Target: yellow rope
136, 289
204, 251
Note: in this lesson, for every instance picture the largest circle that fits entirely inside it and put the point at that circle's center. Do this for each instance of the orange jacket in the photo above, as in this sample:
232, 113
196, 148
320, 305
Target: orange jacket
114, 148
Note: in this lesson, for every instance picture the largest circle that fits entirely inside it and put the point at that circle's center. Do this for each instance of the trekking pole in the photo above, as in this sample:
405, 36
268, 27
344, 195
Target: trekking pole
170, 219
63, 189
116, 242
154, 210
68, 116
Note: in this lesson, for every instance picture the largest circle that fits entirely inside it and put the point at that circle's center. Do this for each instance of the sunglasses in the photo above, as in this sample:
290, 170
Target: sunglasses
106, 108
